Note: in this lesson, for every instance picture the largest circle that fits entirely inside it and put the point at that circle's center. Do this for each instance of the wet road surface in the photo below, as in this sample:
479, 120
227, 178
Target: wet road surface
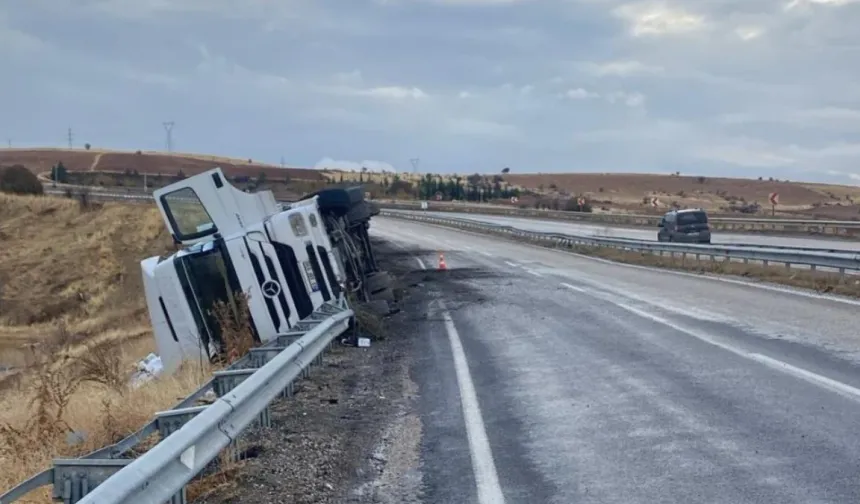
545, 377
650, 234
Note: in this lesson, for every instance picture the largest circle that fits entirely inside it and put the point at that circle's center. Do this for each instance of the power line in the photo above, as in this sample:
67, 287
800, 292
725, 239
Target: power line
168, 128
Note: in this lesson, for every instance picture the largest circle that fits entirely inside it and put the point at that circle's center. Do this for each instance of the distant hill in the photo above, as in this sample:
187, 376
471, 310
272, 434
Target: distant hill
614, 192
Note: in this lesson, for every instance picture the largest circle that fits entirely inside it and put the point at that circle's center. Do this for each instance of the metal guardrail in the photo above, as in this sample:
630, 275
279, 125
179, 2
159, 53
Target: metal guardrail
196, 434
850, 229
792, 226
841, 262
789, 226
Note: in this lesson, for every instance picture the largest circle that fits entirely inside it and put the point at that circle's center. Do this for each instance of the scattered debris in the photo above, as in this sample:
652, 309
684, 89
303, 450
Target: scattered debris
149, 368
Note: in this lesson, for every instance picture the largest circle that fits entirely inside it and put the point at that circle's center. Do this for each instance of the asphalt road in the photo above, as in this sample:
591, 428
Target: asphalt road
551, 226
545, 377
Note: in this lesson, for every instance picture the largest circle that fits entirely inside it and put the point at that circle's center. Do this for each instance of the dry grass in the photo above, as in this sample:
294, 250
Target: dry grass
61, 262
73, 324
819, 281
234, 320
67, 406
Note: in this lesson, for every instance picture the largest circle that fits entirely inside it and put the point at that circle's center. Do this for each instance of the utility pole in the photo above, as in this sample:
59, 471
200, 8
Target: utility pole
283, 163
70, 137
168, 128
9, 142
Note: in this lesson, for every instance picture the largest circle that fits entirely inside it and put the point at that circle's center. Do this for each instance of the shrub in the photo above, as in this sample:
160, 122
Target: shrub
17, 179
572, 205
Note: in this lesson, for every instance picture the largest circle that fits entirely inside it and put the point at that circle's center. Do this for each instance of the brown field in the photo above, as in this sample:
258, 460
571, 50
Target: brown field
607, 191
627, 192
71, 300
41, 161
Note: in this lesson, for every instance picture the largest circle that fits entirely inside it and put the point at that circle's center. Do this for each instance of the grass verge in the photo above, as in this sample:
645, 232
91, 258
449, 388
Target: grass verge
73, 325
72, 402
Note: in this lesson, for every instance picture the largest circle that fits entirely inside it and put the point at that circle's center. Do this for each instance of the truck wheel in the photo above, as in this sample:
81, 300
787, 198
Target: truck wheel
378, 281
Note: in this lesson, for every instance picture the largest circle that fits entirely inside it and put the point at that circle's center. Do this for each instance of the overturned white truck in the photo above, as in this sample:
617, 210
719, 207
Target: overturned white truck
289, 259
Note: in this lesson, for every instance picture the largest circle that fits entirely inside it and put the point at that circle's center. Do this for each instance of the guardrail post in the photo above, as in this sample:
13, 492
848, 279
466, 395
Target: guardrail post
224, 382
75, 478
170, 421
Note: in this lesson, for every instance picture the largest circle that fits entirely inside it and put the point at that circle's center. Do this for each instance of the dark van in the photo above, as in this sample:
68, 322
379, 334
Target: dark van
687, 226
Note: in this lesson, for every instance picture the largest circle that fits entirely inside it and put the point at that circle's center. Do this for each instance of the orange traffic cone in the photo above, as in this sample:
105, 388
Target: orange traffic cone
442, 265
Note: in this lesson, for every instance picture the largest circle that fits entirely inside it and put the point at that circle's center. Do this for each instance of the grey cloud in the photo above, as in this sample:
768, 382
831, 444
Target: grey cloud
711, 86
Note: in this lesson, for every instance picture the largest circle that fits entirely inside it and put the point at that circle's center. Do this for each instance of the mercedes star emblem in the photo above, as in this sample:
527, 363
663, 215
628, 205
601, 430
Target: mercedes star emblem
271, 288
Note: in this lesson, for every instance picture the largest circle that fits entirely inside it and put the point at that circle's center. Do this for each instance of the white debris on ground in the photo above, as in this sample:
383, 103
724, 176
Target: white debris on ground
147, 369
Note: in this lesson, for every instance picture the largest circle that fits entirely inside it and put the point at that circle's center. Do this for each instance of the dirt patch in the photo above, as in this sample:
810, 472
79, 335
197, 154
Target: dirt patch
325, 432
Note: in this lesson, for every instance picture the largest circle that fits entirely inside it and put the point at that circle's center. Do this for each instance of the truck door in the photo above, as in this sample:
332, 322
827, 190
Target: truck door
200, 206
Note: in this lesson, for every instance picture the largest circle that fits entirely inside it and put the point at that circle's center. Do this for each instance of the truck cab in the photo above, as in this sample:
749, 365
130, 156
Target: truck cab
233, 242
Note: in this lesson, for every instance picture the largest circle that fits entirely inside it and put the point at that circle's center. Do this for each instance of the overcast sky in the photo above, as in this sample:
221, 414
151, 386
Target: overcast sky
734, 87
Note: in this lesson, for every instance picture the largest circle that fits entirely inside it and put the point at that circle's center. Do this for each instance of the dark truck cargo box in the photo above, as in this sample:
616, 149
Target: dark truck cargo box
338, 200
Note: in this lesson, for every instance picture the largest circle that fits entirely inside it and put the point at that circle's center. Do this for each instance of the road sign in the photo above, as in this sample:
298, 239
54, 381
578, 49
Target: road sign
581, 201
423, 205
514, 199
438, 196
774, 198
655, 202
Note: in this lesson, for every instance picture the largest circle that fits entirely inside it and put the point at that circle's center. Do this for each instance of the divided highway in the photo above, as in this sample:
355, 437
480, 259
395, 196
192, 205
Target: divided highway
554, 226
545, 377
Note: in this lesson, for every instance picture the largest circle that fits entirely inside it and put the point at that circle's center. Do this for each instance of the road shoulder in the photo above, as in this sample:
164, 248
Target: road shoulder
350, 433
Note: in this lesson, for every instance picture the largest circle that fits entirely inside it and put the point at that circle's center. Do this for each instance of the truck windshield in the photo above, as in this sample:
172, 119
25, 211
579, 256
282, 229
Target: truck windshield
692, 218
187, 215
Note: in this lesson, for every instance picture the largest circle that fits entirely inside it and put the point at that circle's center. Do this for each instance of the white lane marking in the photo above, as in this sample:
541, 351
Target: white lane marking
486, 477
808, 376
512, 265
573, 287
532, 272
486, 253
835, 386
421, 263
